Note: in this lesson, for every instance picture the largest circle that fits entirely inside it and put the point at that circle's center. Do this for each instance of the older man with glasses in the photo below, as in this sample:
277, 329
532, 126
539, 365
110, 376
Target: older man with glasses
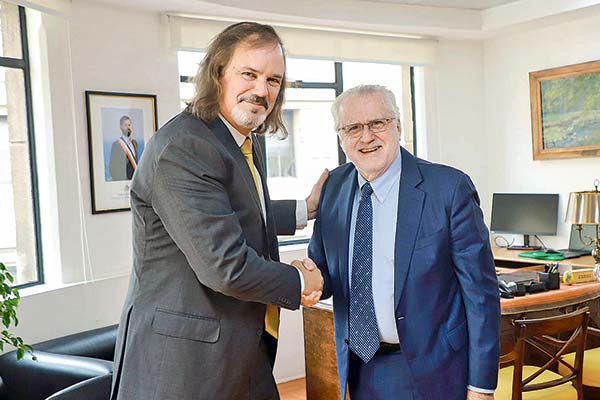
405, 254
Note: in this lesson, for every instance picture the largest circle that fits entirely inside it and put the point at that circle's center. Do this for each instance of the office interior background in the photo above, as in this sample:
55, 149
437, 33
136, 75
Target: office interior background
460, 70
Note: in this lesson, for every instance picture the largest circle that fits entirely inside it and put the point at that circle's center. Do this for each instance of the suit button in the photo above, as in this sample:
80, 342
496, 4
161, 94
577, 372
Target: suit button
258, 332
346, 341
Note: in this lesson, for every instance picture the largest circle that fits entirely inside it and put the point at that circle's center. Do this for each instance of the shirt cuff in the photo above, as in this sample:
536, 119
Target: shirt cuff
301, 214
301, 280
480, 390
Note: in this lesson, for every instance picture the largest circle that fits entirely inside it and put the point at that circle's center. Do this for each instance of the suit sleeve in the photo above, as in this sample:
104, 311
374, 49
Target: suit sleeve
190, 197
474, 264
316, 249
284, 212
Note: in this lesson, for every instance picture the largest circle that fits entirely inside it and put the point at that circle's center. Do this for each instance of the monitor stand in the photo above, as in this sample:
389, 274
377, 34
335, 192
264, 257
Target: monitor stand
525, 245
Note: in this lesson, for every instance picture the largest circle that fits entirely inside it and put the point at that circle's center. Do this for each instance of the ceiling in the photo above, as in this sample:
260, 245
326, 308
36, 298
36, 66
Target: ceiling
459, 4
452, 19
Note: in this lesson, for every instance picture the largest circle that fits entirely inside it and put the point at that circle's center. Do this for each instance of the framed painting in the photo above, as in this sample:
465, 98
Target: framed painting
118, 125
565, 111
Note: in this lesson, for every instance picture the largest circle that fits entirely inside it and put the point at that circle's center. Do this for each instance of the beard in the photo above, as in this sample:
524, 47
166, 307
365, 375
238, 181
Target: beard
247, 119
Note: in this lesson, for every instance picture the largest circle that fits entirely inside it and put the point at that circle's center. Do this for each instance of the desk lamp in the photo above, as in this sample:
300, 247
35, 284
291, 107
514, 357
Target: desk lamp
584, 209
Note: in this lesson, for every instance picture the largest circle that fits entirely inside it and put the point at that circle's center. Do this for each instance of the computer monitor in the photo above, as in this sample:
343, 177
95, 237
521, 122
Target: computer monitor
525, 213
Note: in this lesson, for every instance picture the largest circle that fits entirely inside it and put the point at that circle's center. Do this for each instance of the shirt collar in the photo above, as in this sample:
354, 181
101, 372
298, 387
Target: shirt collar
237, 136
383, 184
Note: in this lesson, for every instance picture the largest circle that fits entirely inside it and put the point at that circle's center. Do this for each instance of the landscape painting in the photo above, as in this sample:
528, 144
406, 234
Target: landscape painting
565, 108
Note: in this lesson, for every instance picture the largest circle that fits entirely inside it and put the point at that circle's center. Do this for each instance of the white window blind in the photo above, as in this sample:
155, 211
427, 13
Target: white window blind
196, 33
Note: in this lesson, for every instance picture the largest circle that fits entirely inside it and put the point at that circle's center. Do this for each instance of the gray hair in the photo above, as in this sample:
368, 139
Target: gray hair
363, 90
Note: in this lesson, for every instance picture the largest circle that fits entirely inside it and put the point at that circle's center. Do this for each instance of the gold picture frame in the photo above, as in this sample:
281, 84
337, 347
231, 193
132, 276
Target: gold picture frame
565, 111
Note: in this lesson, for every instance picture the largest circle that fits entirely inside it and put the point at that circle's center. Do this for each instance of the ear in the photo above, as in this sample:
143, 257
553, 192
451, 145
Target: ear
399, 128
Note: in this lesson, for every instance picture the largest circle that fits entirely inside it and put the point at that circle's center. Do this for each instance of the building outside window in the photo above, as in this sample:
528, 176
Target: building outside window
295, 163
19, 215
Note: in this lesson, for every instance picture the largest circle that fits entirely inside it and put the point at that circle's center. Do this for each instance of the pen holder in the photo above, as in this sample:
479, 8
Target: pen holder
550, 279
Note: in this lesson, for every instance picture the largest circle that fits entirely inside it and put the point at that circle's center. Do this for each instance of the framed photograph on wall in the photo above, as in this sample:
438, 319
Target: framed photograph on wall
119, 125
565, 111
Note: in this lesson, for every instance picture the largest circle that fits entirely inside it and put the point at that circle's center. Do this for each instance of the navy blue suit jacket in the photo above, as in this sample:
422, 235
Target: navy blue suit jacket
447, 307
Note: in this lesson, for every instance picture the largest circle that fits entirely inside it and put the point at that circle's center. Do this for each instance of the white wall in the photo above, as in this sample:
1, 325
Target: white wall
477, 120
454, 109
507, 63
105, 48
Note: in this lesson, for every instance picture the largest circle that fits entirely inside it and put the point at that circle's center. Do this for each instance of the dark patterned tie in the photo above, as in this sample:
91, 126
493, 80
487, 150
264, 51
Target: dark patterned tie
364, 334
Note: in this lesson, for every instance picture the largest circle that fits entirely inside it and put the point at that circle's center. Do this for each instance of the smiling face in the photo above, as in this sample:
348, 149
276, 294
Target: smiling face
371, 153
250, 83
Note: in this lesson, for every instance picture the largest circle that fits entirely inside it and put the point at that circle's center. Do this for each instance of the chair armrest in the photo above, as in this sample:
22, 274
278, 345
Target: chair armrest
32, 380
97, 388
96, 343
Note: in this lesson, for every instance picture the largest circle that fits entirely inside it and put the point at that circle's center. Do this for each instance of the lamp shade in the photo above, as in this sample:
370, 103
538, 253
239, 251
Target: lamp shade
584, 208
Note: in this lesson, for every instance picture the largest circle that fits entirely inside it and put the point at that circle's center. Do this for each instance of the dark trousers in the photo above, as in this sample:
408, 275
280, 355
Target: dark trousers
385, 377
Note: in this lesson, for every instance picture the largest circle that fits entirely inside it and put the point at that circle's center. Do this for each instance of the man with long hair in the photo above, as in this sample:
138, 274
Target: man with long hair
201, 320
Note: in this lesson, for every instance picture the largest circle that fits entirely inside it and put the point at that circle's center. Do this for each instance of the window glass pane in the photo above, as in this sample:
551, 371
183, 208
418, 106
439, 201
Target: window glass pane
186, 91
310, 70
188, 67
296, 162
295, 94
388, 75
188, 62
10, 40
17, 232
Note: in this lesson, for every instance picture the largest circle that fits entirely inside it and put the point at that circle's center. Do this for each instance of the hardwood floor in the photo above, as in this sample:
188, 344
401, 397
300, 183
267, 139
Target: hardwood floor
293, 390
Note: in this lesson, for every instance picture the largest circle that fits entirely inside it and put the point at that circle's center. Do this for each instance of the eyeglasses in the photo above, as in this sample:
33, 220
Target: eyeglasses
353, 131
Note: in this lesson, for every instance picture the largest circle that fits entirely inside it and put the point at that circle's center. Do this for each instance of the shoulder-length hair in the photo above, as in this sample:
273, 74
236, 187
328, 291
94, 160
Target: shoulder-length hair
205, 103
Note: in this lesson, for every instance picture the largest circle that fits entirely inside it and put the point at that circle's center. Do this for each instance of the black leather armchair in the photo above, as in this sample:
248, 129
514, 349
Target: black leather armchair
80, 363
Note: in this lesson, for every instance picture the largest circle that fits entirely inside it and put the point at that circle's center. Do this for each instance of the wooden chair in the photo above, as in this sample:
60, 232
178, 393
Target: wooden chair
529, 382
591, 368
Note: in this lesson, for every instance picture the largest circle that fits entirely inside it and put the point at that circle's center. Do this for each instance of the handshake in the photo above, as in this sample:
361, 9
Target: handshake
313, 281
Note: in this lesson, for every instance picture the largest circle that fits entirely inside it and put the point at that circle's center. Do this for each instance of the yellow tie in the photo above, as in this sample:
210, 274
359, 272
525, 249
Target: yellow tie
272, 314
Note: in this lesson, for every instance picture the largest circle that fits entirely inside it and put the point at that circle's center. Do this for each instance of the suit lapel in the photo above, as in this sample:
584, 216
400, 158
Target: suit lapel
343, 220
222, 133
410, 210
257, 155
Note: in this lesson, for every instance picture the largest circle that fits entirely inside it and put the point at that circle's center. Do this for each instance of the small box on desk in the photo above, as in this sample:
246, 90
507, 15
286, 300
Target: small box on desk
579, 276
550, 279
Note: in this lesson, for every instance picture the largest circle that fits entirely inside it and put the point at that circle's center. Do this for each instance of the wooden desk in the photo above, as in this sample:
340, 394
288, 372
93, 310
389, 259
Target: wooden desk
321, 368
510, 259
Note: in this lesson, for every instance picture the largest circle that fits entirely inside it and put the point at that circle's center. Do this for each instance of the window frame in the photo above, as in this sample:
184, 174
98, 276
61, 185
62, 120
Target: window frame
23, 64
338, 86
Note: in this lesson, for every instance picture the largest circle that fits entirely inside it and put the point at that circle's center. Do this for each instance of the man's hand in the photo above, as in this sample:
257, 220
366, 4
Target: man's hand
471, 395
312, 201
313, 281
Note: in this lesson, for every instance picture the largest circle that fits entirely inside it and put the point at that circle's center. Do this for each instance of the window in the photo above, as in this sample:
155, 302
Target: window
19, 211
294, 164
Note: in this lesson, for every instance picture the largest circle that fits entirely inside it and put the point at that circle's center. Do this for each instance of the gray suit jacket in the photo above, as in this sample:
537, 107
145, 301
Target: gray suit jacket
205, 264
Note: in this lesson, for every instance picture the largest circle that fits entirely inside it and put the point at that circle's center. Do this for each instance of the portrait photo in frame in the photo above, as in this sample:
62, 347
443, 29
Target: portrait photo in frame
119, 125
565, 111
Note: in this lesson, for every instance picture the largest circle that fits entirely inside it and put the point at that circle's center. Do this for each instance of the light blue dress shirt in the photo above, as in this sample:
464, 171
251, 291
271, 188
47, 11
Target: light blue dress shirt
385, 215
